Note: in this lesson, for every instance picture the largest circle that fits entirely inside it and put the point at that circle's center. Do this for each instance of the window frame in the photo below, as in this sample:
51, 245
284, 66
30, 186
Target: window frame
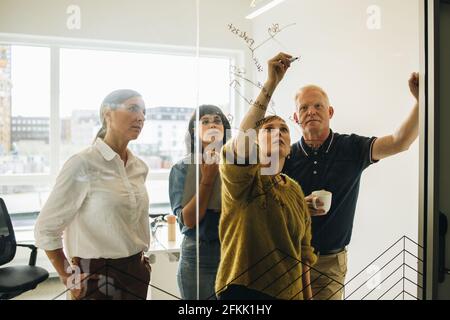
55, 44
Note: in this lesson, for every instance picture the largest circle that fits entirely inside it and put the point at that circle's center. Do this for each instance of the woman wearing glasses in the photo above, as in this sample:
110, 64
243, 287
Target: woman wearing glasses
212, 132
99, 207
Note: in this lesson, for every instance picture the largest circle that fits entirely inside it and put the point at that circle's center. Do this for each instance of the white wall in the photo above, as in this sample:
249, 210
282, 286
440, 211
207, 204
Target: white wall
365, 73
156, 22
171, 22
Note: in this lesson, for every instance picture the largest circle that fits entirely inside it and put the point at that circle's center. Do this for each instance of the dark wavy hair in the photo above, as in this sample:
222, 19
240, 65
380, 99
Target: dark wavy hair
206, 110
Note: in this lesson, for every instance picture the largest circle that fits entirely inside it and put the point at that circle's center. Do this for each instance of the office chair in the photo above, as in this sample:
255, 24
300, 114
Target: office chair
17, 279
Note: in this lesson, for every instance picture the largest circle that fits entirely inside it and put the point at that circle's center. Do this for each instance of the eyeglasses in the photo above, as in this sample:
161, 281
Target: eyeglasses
216, 121
132, 108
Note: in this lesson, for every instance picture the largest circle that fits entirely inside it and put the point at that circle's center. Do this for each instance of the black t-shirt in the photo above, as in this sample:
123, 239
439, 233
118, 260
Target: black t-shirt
336, 167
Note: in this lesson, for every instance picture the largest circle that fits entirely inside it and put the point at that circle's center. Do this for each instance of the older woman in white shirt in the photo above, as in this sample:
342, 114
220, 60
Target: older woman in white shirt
99, 207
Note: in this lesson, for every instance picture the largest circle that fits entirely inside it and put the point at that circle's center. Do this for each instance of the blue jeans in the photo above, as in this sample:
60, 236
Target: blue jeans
208, 265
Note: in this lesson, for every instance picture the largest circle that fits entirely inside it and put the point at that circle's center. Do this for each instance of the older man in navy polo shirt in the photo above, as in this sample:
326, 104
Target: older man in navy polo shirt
327, 160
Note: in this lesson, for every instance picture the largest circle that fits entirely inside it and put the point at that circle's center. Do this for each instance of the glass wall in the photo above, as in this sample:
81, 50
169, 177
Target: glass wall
362, 54
181, 54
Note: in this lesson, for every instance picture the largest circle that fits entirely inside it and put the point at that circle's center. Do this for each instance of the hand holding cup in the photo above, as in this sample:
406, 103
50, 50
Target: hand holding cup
319, 202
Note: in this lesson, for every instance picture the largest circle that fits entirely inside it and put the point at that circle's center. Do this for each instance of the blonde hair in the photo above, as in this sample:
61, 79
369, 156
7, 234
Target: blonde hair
312, 87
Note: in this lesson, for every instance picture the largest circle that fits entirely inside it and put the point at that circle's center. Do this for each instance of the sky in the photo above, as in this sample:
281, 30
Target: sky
87, 76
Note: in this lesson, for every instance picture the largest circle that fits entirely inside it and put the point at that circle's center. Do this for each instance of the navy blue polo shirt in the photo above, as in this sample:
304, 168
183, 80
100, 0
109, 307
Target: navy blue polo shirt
336, 167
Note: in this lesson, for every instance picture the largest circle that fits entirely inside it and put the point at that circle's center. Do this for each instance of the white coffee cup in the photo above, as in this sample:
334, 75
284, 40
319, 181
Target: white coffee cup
325, 197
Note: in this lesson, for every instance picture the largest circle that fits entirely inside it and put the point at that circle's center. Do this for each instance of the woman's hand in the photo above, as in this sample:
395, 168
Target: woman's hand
277, 67
210, 167
209, 173
414, 85
70, 275
77, 284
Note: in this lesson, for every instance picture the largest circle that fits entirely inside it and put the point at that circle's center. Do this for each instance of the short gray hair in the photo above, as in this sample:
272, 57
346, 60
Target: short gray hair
313, 88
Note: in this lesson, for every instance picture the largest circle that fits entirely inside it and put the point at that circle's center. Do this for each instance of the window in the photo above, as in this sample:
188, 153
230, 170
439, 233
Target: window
28, 96
137, 71
29, 165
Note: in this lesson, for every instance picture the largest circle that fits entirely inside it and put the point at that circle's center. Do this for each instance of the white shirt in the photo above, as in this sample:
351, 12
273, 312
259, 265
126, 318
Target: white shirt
98, 205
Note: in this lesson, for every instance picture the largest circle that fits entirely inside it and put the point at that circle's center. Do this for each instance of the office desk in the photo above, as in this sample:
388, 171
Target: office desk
164, 256
159, 241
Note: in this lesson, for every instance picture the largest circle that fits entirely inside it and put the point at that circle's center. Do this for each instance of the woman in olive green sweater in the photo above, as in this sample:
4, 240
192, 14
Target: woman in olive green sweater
265, 227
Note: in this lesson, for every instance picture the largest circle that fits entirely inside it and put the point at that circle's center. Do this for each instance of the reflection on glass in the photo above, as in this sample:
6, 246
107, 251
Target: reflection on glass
169, 98
362, 55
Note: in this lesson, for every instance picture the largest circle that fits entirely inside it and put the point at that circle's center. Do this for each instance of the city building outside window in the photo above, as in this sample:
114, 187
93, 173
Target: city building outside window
30, 154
